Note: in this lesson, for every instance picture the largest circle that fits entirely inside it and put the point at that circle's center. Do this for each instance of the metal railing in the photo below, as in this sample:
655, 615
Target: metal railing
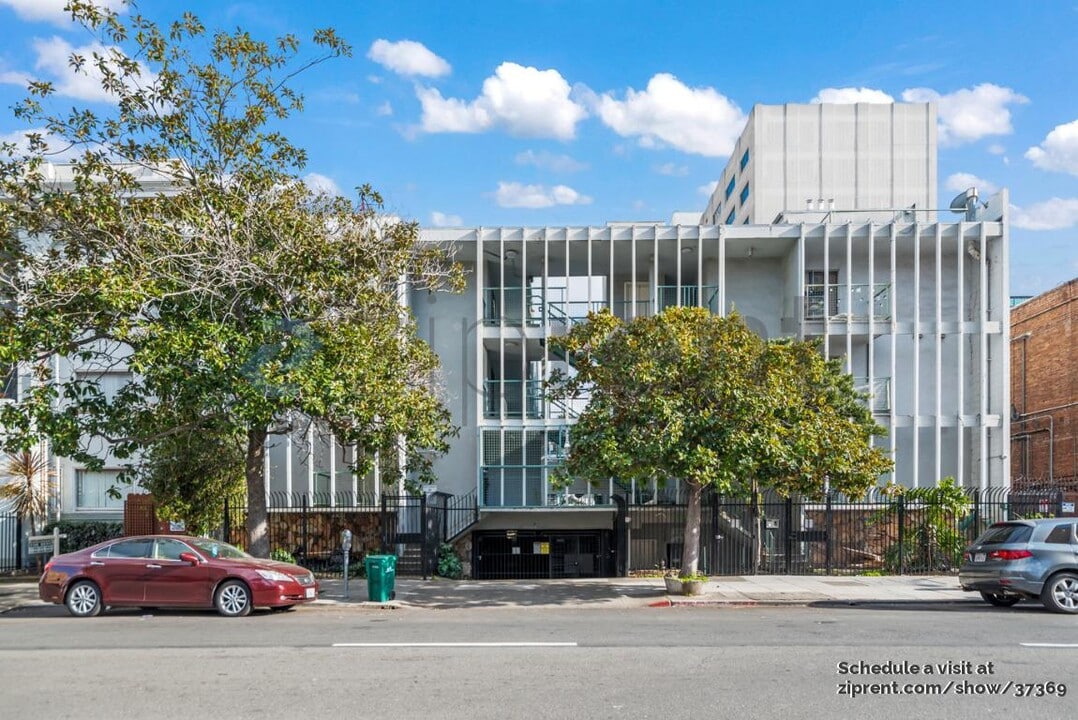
514, 399
833, 535
831, 301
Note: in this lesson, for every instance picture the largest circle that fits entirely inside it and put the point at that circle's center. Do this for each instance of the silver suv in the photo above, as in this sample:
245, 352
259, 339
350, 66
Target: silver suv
1034, 559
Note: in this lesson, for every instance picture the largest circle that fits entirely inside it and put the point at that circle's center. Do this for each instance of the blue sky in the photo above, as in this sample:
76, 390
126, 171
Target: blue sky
554, 112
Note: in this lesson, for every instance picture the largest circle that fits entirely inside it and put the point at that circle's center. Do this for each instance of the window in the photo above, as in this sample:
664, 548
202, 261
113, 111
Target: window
1006, 533
730, 186
8, 382
745, 159
92, 489
815, 289
129, 549
1061, 535
168, 549
744, 193
730, 217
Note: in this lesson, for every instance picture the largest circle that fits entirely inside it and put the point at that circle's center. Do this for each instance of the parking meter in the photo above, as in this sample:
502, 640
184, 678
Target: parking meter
346, 550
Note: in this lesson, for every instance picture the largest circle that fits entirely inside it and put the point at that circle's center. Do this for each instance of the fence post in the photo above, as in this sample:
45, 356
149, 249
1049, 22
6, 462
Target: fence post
385, 525
788, 548
227, 524
18, 542
901, 535
713, 554
976, 514
756, 539
306, 539
830, 529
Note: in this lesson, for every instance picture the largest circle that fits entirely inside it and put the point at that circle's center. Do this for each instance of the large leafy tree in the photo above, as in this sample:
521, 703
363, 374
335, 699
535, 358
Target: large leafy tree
692, 396
183, 247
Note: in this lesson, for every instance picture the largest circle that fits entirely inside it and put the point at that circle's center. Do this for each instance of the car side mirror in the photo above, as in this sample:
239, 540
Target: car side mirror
189, 558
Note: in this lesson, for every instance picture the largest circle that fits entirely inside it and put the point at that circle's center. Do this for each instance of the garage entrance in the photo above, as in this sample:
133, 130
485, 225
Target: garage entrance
534, 554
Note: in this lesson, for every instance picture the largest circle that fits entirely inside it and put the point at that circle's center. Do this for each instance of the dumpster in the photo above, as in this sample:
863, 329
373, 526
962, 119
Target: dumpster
381, 577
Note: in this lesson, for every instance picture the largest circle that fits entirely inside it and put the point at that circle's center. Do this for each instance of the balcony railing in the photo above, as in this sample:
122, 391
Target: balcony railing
832, 302
518, 306
513, 486
879, 388
526, 398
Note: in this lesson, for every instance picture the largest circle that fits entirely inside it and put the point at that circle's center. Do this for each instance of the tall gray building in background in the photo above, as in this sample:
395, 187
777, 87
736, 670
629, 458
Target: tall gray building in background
796, 162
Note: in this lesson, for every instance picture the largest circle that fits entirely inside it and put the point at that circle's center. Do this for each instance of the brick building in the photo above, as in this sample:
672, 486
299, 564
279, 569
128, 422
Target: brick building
1044, 389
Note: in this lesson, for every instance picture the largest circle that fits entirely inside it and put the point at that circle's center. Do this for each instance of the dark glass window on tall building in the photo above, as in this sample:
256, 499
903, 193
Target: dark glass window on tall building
9, 383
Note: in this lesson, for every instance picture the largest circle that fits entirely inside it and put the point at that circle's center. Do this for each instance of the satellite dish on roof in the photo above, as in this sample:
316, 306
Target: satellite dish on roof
965, 201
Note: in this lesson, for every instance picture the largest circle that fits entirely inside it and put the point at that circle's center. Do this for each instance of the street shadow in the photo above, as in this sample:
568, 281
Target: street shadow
27, 612
1027, 607
577, 594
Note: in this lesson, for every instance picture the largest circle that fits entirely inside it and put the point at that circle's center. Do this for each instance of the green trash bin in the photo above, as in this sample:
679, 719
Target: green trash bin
381, 577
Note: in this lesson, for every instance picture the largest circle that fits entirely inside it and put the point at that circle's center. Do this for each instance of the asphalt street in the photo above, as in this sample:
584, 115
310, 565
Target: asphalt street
955, 661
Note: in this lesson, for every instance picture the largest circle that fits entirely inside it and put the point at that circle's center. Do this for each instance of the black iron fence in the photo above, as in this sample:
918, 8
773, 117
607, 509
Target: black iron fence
879, 533
10, 542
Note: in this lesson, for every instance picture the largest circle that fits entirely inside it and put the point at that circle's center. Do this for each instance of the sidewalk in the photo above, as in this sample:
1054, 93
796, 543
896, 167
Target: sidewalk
441, 594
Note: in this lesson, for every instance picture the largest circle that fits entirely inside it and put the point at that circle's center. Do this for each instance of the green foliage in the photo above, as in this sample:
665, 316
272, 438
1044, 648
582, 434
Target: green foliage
689, 395
29, 486
245, 303
934, 541
449, 565
282, 555
83, 533
693, 577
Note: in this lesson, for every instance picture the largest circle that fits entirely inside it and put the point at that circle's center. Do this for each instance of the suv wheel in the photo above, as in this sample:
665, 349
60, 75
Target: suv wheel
1060, 593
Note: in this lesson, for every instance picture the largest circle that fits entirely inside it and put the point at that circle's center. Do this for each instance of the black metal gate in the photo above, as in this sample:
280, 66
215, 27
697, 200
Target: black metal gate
534, 554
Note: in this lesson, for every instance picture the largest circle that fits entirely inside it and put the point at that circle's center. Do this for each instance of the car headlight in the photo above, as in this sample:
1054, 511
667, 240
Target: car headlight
275, 576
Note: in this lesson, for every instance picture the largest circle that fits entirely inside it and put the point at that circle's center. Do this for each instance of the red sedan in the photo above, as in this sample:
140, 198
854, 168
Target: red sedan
154, 571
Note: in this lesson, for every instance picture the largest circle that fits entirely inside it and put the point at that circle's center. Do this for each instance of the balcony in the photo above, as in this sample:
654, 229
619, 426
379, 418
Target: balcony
518, 306
879, 390
516, 399
528, 486
853, 306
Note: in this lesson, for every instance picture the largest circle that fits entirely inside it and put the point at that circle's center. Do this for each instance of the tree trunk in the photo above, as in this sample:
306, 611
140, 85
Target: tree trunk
255, 470
690, 549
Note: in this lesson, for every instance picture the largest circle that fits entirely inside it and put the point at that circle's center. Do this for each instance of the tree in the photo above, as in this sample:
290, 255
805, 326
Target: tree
692, 396
185, 249
29, 487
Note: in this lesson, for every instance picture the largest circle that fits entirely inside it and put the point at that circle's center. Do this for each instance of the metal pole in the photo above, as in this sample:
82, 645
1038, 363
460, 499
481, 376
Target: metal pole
306, 546
830, 533
789, 548
901, 535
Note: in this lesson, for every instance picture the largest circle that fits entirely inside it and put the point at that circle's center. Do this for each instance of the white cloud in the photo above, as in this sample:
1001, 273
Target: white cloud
12, 77
57, 149
53, 10
671, 169
385, 109
850, 95
1053, 214
439, 219
1058, 151
549, 161
708, 188
516, 195
962, 181
524, 101
996, 149
970, 114
52, 58
322, 184
408, 57
701, 121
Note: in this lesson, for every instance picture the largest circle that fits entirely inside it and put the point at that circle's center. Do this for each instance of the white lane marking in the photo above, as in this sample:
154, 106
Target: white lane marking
455, 644
1052, 645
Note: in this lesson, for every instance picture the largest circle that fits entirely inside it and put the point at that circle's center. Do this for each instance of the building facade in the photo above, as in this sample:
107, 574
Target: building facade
798, 162
1044, 389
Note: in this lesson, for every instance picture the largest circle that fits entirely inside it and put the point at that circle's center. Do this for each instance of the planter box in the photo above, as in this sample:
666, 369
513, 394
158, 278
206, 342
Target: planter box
692, 587
673, 585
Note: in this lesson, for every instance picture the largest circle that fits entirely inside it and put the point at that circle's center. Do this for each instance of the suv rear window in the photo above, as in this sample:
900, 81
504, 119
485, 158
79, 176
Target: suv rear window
1000, 534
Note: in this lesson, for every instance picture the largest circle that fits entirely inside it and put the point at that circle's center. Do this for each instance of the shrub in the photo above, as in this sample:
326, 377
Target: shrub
282, 555
449, 565
83, 533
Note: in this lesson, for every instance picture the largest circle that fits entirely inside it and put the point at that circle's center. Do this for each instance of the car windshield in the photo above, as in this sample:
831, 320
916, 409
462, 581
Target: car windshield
215, 549
1000, 534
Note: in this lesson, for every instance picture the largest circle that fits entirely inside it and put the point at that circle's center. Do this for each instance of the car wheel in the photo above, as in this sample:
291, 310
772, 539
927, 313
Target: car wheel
1000, 599
84, 599
233, 599
1060, 593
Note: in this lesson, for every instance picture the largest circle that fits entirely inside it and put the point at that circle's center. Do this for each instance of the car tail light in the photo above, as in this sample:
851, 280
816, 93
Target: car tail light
1009, 554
